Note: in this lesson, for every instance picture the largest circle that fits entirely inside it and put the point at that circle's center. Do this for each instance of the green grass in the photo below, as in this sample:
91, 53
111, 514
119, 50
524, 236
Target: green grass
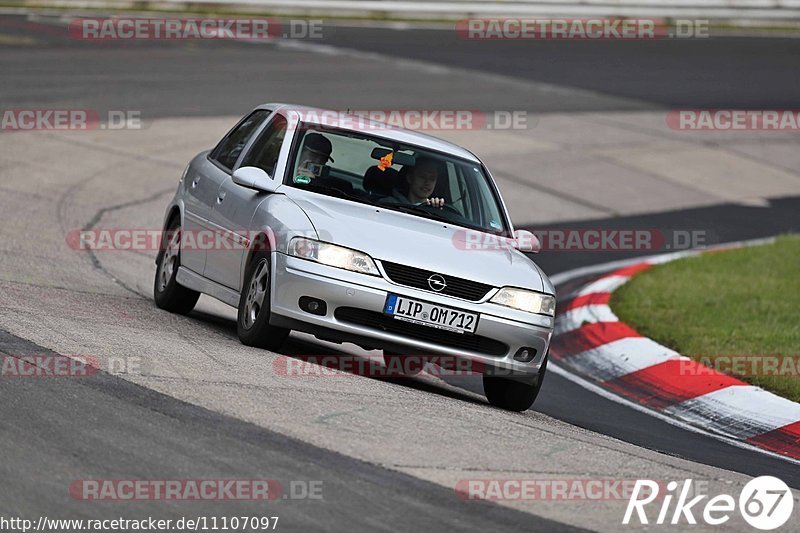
732, 303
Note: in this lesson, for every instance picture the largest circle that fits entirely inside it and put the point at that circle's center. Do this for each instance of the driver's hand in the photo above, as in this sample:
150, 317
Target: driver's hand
435, 202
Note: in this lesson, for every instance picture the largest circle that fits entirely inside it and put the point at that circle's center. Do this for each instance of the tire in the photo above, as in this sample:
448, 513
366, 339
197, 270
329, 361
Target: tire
252, 323
167, 293
511, 394
405, 365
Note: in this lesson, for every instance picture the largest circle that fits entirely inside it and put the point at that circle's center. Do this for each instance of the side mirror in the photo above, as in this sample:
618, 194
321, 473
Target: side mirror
526, 241
254, 178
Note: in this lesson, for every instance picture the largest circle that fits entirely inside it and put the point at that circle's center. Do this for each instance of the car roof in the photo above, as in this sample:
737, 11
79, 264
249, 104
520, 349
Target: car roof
353, 122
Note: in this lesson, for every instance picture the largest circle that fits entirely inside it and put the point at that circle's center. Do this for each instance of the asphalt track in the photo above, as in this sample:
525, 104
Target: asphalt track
203, 79
147, 433
111, 428
715, 72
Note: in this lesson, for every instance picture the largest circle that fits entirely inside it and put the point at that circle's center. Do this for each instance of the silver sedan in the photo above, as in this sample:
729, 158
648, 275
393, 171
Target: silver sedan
354, 231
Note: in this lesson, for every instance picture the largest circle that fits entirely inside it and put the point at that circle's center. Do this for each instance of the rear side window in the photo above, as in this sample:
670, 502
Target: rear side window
265, 151
230, 147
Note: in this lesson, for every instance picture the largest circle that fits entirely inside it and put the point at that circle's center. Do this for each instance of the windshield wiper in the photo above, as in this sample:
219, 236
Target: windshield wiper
418, 209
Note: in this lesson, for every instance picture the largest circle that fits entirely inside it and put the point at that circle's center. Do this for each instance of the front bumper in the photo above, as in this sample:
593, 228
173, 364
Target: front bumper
340, 289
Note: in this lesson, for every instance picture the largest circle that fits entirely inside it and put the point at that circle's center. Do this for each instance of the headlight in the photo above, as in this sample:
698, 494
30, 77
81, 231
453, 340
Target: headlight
332, 255
532, 302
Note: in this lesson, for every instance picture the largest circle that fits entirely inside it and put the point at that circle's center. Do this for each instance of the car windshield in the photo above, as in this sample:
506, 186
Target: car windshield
393, 175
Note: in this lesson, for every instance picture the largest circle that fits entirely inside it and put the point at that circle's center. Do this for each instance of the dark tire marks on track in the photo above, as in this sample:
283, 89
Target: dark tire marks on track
58, 430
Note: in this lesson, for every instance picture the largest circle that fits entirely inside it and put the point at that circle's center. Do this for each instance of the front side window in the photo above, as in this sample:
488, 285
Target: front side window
230, 147
398, 176
265, 151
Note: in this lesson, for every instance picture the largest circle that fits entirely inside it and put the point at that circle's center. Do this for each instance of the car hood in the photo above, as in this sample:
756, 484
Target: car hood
415, 241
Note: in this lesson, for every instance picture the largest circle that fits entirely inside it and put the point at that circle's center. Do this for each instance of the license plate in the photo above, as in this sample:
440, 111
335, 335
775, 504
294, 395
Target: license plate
427, 314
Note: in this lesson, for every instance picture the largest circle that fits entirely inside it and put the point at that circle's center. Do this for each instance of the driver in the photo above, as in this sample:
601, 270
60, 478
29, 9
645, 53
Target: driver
421, 182
315, 154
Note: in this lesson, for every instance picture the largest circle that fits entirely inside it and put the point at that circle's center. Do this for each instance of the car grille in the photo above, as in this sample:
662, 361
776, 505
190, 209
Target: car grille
418, 278
375, 320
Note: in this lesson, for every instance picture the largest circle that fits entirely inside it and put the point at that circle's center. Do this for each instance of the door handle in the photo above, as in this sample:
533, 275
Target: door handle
221, 197
194, 182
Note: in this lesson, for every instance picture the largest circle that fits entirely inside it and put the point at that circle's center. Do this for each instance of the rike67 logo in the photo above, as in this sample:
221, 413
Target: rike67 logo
765, 503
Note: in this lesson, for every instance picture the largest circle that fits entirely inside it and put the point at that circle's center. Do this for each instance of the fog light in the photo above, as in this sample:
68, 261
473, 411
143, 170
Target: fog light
525, 355
315, 306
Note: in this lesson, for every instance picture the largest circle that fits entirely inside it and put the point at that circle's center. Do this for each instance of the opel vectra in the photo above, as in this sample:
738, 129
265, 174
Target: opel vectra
355, 231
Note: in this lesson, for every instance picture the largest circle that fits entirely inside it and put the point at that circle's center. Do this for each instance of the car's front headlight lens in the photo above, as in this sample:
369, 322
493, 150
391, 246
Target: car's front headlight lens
530, 301
332, 255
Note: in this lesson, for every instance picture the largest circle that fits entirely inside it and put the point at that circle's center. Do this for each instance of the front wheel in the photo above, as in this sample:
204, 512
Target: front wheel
167, 293
511, 394
252, 324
